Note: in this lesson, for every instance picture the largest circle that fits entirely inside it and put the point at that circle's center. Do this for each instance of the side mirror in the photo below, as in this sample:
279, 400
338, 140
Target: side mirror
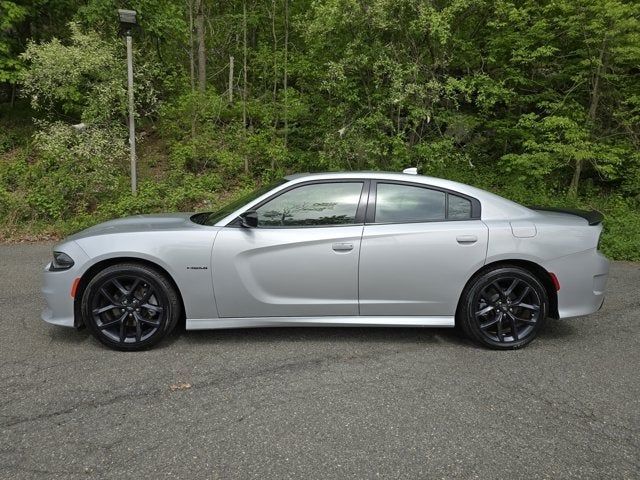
249, 219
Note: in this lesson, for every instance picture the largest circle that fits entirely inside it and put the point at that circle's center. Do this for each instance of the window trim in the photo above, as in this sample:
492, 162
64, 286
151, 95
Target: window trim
360, 209
476, 209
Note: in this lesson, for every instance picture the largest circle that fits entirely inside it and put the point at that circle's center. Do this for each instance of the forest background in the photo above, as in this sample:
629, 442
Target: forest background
536, 100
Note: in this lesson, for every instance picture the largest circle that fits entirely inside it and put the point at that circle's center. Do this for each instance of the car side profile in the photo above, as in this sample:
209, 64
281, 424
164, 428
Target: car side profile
333, 249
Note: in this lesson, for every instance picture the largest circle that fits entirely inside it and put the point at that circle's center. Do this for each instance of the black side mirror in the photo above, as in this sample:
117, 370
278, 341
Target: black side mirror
249, 219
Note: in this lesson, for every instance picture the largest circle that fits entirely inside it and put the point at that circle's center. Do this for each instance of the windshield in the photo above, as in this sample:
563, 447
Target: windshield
211, 218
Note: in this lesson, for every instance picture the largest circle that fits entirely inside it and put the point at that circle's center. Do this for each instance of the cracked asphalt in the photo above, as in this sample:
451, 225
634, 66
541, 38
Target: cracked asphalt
317, 402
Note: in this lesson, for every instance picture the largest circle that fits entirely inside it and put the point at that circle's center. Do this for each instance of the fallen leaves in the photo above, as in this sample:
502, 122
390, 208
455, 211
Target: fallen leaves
180, 386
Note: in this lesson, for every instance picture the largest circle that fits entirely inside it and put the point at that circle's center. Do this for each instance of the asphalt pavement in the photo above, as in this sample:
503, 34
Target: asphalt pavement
324, 403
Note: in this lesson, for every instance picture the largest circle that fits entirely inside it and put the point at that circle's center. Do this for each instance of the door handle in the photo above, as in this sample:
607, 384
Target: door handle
466, 239
342, 247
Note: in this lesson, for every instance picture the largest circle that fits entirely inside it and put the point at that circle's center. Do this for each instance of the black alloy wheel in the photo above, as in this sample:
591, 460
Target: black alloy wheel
130, 306
504, 308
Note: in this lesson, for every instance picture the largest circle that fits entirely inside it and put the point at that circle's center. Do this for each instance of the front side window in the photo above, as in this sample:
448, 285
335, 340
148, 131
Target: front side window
405, 203
319, 204
211, 218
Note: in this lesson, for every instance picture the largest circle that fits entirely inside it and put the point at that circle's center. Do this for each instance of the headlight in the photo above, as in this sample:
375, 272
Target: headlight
61, 261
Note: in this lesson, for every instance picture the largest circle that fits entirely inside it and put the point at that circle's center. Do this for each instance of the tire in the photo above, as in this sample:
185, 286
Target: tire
503, 308
144, 306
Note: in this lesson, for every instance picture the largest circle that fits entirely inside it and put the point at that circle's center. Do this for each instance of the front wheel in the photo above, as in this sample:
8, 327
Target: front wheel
130, 306
503, 308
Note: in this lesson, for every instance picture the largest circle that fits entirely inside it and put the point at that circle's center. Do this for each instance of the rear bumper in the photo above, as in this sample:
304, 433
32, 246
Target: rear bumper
56, 288
583, 279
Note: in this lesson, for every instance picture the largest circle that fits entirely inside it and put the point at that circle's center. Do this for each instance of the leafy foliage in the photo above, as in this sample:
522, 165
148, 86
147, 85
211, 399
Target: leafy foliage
74, 171
536, 100
11, 13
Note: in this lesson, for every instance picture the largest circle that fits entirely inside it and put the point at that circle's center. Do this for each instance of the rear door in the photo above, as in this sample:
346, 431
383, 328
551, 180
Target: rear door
420, 245
301, 260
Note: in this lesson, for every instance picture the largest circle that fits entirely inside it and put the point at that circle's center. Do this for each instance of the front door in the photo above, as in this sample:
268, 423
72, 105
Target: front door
301, 260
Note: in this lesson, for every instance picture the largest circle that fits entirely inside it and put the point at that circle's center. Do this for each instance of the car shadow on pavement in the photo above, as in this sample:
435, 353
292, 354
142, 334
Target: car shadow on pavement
553, 329
66, 335
389, 335
557, 329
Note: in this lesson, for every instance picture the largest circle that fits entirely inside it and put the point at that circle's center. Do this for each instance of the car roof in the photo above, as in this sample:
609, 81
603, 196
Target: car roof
380, 175
358, 173
374, 174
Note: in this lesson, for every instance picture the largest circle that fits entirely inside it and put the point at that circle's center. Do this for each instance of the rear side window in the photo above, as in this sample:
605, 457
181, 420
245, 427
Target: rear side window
397, 203
405, 203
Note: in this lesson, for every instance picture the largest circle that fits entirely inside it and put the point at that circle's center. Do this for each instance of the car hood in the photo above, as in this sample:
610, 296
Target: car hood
139, 223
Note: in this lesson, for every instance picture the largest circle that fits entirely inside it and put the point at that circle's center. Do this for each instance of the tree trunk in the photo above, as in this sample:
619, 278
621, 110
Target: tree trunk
192, 60
202, 57
244, 77
285, 75
275, 63
13, 95
275, 78
573, 188
192, 67
231, 60
593, 110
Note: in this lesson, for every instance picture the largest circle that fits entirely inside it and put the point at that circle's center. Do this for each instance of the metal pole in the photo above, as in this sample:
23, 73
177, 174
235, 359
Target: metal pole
132, 126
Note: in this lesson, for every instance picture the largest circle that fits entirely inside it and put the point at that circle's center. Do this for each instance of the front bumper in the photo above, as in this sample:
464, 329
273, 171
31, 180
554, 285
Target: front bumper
57, 285
583, 279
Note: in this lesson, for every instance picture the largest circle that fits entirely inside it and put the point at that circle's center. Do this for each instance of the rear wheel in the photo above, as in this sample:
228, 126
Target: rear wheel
130, 306
503, 308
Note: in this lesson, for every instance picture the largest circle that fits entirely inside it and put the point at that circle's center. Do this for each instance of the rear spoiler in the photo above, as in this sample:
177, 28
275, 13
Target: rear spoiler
593, 217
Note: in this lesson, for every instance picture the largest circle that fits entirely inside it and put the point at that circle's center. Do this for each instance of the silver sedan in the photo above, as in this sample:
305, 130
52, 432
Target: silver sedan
336, 249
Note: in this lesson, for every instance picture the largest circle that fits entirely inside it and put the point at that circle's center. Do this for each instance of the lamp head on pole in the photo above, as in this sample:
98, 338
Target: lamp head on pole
127, 21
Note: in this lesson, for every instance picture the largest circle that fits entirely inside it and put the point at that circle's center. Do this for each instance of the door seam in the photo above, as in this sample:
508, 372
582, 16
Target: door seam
358, 272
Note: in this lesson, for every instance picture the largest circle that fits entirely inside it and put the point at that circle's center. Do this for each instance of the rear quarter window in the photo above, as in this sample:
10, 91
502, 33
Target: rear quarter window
458, 208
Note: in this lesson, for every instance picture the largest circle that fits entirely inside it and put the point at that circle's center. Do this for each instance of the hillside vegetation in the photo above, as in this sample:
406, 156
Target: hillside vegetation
538, 101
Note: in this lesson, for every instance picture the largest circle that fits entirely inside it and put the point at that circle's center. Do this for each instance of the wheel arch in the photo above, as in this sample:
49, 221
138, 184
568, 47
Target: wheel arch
535, 269
101, 265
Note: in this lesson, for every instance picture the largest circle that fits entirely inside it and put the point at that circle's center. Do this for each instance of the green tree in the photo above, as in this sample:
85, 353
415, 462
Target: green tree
81, 80
577, 69
11, 15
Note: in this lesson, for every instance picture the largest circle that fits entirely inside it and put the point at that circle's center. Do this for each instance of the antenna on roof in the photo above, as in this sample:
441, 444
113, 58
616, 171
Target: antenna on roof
411, 171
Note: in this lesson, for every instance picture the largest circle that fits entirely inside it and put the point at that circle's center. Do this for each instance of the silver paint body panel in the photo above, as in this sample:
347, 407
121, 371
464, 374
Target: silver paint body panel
286, 272
418, 268
409, 274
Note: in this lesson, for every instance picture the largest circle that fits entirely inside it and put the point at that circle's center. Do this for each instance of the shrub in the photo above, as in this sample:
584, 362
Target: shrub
74, 172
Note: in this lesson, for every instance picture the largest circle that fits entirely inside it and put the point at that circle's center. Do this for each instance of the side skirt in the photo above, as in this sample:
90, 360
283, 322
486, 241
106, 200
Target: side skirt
257, 322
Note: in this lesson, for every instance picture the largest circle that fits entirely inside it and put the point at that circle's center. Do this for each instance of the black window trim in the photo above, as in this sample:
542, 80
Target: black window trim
360, 211
476, 209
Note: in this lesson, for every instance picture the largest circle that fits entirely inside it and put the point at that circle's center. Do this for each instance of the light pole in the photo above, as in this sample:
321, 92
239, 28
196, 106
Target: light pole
127, 23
